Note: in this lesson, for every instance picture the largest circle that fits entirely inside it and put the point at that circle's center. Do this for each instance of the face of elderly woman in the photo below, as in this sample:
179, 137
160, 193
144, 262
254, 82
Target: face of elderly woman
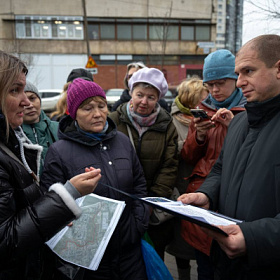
92, 116
144, 100
16, 101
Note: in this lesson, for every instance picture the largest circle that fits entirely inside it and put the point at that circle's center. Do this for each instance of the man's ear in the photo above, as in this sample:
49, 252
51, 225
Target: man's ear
277, 65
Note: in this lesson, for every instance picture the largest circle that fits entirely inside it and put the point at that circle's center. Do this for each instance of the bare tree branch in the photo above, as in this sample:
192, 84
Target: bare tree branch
271, 9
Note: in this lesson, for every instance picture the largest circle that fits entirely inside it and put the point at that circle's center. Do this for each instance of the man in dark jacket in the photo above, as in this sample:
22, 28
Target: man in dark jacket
244, 182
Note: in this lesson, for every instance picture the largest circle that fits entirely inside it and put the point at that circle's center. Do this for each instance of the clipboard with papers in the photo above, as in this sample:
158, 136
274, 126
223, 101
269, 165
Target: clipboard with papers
193, 214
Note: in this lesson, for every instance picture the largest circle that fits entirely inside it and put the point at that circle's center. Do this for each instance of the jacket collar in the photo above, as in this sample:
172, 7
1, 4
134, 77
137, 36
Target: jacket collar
163, 119
259, 113
68, 130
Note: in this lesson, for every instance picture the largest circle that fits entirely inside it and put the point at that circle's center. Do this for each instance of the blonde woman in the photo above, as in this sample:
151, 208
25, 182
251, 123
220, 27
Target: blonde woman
61, 106
28, 216
190, 93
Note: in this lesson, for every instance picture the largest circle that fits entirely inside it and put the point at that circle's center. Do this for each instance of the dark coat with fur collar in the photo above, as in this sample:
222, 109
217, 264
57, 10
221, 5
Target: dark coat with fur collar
120, 168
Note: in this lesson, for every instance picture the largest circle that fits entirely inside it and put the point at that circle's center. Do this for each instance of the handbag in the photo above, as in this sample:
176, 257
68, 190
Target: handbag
155, 266
158, 216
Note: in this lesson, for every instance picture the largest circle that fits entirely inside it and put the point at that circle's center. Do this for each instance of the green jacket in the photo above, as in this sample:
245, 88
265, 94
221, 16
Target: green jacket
43, 133
156, 149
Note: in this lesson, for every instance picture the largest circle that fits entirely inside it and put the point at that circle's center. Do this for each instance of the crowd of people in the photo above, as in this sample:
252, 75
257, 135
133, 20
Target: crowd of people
227, 162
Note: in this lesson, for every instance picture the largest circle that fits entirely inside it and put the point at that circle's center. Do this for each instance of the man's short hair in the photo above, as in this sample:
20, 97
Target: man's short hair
267, 47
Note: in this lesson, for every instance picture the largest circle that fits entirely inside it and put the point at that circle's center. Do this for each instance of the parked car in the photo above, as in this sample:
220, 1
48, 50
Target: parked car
169, 98
49, 98
112, 95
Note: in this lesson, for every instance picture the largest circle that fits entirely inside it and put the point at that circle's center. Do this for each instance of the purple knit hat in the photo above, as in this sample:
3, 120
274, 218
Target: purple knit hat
80, 90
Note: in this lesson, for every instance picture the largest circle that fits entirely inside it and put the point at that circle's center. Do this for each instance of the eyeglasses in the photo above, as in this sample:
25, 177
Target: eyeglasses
218, 84
129, 76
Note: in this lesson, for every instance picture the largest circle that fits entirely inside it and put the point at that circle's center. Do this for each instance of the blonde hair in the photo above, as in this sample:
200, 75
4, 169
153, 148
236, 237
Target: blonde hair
190, 92
10, 69
61, 105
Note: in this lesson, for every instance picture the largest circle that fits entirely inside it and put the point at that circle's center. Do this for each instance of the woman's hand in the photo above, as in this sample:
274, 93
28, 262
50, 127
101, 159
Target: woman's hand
86, 183
223, 116
202, 126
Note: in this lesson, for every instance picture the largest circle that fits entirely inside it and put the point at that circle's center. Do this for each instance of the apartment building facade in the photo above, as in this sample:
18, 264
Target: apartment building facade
171, 35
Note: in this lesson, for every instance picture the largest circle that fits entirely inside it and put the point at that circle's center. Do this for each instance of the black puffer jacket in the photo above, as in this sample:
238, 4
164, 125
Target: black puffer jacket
28, 218
120, 168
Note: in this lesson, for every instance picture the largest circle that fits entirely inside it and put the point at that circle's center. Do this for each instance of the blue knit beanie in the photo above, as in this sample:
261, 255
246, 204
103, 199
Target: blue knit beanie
219, 65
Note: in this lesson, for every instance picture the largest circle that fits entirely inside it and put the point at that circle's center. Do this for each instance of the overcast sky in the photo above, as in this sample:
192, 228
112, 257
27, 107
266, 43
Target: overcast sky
255, 23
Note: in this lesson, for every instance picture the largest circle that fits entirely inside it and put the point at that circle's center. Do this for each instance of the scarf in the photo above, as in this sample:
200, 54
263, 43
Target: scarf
141, 123
184, 116
182, 108
230, 102
93, 135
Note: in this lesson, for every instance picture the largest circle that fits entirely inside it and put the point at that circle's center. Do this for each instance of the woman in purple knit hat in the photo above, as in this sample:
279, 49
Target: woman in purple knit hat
87, 137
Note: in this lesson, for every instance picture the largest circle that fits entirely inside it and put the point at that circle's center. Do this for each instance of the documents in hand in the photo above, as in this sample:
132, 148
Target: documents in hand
84, 243
197, 215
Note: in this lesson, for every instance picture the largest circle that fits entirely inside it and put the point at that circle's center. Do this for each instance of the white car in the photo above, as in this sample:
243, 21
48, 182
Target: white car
49, 98
113, 95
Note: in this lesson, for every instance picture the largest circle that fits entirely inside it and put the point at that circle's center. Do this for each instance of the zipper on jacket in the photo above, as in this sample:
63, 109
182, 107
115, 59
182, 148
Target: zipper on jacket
35, 134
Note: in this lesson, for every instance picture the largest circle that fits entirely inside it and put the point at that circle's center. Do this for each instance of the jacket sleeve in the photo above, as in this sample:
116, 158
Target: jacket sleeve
53, 171
211, 185
165, 180
140, 210
192, 151
25, 228
262, 242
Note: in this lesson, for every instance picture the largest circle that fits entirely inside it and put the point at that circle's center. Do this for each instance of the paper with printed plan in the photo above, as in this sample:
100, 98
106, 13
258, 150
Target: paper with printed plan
193, 214
84, 243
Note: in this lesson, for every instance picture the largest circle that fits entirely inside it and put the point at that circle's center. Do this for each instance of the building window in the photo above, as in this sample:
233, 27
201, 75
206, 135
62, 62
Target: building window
155, 32
107, 31
163, 32
139, 31
124, 32
187, 33
93, 31
45, 27
202, 33
144, 29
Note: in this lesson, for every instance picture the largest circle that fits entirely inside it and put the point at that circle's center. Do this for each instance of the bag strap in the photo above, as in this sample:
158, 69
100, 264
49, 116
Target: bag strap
13, 156
130, 136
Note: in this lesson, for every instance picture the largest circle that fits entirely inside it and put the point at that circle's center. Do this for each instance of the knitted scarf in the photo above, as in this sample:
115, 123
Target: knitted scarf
230, 102
93, 135
141, 123
182, 108
184, 116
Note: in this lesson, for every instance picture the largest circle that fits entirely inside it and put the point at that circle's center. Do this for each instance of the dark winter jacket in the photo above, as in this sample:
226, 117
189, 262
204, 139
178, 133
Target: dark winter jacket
125, 97
120, 168
156, 149
43, 133
245, 184
28, 218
